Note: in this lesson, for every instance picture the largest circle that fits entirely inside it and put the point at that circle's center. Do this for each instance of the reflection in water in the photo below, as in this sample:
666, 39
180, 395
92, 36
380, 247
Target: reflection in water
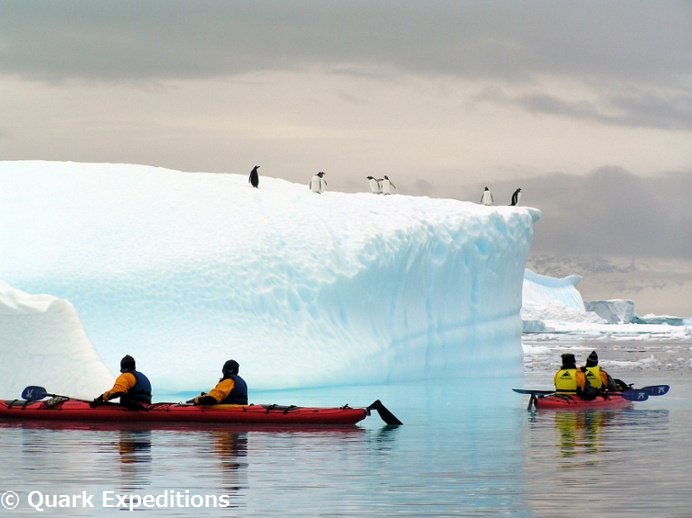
383, 439
231, 449
579, 432
134, 448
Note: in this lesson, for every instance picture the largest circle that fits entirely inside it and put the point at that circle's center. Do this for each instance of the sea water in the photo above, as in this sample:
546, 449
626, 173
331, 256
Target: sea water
467, 448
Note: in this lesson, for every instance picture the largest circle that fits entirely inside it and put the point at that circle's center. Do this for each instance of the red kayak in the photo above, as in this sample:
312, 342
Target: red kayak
549, 399
574, 402
61, 408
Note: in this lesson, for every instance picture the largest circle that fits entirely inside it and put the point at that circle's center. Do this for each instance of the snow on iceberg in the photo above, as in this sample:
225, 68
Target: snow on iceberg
185, 270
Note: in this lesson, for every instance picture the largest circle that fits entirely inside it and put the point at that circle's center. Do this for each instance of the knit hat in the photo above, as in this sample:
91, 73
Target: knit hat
592, 360
127, 363
230, 367
568, 361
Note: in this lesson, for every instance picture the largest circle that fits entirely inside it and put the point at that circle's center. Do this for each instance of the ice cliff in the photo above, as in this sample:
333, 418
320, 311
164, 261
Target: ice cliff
186, 270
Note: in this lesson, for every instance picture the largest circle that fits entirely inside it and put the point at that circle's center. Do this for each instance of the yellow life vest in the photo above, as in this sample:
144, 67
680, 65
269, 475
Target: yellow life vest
566, 381
593, 376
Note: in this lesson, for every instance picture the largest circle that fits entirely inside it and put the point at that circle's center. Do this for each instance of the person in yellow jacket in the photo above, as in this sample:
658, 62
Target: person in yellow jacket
132, 387
231, 388
597, 377
571, 380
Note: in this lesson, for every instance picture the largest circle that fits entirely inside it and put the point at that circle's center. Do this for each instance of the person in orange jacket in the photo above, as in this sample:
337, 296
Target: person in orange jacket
132, 387
231, 388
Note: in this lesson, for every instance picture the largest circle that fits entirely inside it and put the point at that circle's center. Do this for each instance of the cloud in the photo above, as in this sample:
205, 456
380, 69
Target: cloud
611, 212
175, 39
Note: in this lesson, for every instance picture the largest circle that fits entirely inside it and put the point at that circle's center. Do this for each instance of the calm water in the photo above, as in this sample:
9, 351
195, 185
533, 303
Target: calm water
463, 451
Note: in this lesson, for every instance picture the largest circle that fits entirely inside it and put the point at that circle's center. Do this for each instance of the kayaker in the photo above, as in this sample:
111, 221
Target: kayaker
231, 388
571, 380
597, 377
132, 387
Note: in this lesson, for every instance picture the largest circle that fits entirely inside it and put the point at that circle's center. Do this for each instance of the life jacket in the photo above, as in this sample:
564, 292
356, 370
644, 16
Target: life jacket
593, 376
140, 393
237, 396
566, 381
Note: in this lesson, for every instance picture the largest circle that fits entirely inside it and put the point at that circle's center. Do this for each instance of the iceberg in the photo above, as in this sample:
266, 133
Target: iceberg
613, 311
185, 270
548, 303
43, 336
553, 308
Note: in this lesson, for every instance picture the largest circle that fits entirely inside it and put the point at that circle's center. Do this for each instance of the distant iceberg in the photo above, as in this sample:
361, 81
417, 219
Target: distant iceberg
613, 311
554, 307
184, 271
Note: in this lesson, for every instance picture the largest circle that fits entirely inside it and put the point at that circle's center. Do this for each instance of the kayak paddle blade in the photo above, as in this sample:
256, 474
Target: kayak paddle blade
656, 390
33, 393
534, 392
385, 414
635, 395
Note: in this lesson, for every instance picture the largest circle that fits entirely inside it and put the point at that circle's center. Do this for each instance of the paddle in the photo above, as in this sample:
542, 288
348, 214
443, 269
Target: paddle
34, 393
634, 395
534, 392
656, 390
385, 414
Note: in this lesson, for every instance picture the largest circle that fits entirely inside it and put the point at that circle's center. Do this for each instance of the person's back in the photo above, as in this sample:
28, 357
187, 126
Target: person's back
596, 376
230, 390
131, 386
570, 380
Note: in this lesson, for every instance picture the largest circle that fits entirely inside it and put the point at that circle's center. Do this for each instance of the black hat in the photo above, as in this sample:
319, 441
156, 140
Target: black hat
127, 363
230, 367
592, 360
568, 361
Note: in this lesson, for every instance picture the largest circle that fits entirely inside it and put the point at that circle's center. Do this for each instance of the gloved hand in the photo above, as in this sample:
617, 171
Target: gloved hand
97, 401
205, 400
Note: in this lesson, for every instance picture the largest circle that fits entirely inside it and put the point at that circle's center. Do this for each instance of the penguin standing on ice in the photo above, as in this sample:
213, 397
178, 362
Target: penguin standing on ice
254, 177
487, 198
516, 197
387, 185
318, 183
374, 185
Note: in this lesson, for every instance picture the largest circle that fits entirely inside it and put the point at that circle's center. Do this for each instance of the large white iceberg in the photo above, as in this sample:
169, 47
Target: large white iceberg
184, 271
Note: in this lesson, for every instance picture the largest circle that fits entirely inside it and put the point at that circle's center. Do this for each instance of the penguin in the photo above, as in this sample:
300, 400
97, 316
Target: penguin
387, 185
487, 198
254, 177
516, 197
374, 185
318, 183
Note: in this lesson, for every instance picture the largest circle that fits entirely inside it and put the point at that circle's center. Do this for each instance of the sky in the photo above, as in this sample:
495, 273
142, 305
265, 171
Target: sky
587, 106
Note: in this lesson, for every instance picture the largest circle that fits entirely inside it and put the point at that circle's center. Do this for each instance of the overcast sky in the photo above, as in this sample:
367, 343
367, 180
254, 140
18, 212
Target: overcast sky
585, 105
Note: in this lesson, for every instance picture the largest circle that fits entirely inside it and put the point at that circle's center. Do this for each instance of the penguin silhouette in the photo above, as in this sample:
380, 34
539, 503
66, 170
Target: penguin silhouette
318, 183
516, 197
487, 198
254, 177
387, 185
374, 185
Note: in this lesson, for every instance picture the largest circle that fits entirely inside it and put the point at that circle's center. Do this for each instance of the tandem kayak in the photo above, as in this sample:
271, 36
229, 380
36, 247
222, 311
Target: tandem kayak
62, 408
574, 402
548, 399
